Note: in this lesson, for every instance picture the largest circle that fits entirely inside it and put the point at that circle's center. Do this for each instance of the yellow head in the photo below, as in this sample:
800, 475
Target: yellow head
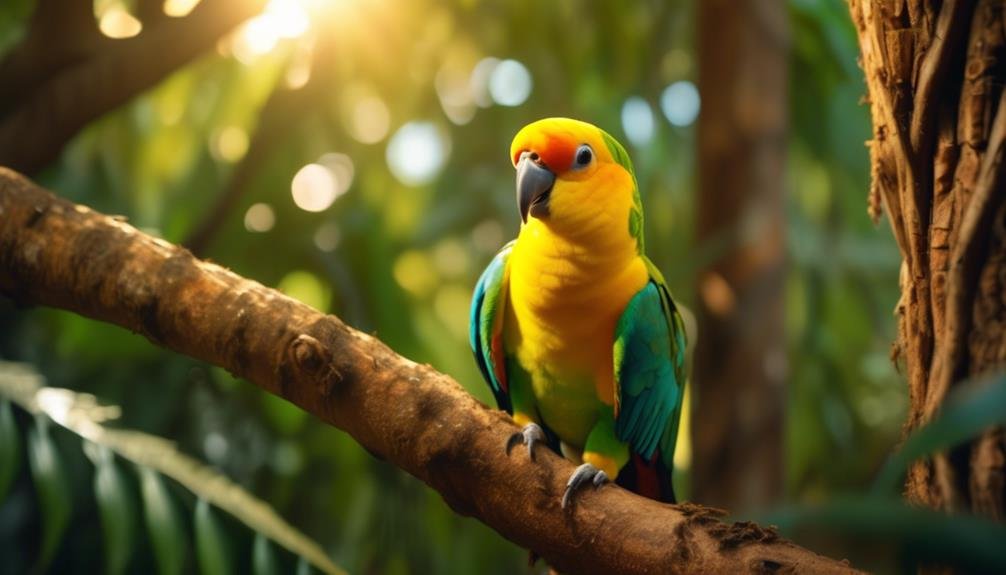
575, 179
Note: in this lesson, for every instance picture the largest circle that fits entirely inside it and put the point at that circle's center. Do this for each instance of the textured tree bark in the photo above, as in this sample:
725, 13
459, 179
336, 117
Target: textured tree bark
740, 364
935, 76
50, 95
56, 253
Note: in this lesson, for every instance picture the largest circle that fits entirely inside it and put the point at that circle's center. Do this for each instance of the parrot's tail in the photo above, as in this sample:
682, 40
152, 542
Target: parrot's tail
648, 478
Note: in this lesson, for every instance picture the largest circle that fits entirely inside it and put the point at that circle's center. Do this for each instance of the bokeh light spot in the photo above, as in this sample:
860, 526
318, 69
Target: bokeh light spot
680, 103
306, 287
451, 258
117, 23
455, 93
327, 237
479, 81
417, 152
637, 121
260, 218
230, 144
451, 307
510, 83
179, 8
370, 120
414, 271
314, 188
488, 236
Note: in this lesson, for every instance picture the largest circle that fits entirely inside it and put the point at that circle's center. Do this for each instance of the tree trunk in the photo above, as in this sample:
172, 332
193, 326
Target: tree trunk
740, 365
935, 76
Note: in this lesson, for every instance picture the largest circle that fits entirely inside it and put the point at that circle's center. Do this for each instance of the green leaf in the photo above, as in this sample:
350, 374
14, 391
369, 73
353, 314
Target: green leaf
53, 492
213, 549
973, 543
115, 507
163, 525
972, 408
303, 566
10, 448
263, 557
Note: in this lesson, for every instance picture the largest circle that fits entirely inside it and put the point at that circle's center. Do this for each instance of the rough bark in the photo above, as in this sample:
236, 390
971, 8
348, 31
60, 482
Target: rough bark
935, 76
56, 253
65, 75
740, 364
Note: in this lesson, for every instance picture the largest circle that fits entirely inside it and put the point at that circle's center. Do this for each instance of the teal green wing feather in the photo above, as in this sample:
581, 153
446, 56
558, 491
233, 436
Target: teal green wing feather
485, 328
649, 357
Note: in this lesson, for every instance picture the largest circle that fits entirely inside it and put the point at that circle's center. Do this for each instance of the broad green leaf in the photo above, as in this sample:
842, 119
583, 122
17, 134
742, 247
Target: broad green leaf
116, 507
968, 411
303, 566
213, 549
163, 524
263, 557
50, 485
10, 448
973, 543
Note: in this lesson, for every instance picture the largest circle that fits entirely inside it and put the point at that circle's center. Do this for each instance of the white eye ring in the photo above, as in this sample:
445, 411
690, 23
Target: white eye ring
583, 157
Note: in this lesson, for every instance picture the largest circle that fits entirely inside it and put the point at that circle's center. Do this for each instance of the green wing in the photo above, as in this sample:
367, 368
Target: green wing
649, 356
485, 328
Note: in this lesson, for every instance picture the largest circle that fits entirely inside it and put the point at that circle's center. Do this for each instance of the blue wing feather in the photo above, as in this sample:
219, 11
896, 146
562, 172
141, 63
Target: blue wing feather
485, 324
649, 357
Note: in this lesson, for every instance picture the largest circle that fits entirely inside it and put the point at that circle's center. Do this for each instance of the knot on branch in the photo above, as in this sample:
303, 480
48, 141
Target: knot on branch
309, 357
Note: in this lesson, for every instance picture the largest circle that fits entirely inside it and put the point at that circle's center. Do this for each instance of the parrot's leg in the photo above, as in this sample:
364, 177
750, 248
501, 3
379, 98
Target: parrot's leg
531, 433
603, 456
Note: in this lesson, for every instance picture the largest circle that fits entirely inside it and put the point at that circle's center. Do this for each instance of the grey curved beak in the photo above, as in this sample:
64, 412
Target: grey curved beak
534, 187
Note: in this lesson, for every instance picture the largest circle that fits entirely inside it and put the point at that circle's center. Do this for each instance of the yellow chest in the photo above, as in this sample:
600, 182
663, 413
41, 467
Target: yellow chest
565, 299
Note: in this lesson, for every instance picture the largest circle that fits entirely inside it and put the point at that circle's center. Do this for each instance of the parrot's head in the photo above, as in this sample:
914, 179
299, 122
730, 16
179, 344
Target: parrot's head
574, 177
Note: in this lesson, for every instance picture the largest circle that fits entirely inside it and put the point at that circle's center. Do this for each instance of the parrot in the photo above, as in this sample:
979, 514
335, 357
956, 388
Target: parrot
572, 326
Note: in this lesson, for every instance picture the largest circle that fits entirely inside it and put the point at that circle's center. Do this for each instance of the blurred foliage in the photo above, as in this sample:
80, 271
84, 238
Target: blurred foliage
399, 259
153, 458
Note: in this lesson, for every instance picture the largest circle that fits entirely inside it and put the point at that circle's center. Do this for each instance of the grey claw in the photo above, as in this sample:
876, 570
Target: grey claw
583, 474
531, 435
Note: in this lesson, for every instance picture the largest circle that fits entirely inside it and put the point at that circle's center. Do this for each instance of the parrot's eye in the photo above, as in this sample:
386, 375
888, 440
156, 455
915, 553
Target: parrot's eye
584, 155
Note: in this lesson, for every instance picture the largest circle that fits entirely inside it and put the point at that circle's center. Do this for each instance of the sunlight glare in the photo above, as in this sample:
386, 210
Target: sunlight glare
417, 152
117, 23
287, 17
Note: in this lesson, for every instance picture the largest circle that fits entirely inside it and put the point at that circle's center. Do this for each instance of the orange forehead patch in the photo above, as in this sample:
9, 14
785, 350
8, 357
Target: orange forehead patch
553, 139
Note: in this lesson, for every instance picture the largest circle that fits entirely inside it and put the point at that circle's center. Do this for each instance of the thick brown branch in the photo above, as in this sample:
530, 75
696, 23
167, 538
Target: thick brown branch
33, 135
56, 253
61, 33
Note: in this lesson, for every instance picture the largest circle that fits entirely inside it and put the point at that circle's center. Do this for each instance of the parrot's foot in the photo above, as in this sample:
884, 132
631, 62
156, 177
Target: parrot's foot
586, 473
531, 435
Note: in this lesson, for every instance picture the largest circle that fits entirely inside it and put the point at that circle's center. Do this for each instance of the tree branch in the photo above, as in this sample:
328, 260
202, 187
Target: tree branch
35, 133
56, 253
